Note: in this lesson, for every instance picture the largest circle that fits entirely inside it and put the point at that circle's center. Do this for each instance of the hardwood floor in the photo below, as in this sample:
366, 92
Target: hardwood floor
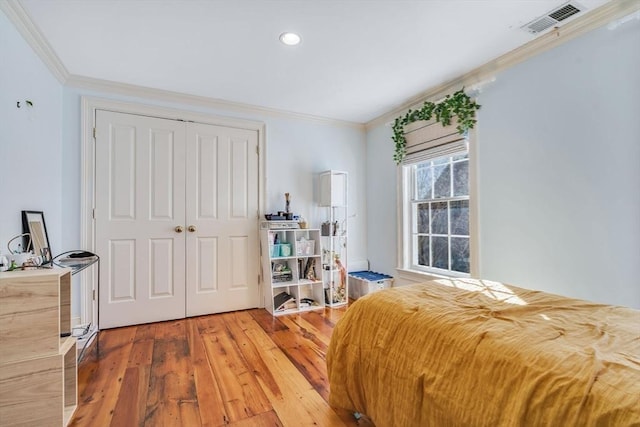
237, 369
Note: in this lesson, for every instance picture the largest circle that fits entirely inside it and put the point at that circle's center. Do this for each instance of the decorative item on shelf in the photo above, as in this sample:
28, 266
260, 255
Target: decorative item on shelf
287, 203
280, 216
308, 302
305, 247
284, 301
33, 224
302, 222
458, 104
343, 273
280, 272
310, 269
330, 228
285, 249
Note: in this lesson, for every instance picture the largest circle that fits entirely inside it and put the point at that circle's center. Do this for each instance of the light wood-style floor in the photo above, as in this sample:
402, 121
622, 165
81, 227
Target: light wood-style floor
238, 369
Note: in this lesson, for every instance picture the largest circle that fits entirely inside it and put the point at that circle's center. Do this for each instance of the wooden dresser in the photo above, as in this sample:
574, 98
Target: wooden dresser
38, 370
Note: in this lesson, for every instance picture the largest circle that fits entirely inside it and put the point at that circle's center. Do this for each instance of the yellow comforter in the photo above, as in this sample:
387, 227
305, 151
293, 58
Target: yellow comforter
475, 353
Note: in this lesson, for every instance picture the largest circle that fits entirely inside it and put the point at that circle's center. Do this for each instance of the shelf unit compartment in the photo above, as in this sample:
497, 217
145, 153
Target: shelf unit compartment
281, 243
291, 307
309, 269
283, 271
335, 287
314, 292
36, 317
307, 243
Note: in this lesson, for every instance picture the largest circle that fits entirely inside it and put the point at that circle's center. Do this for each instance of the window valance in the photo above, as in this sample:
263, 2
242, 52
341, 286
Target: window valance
429, 139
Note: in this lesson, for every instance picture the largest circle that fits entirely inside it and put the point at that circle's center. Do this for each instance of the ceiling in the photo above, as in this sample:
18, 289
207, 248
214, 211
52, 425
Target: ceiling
358, 59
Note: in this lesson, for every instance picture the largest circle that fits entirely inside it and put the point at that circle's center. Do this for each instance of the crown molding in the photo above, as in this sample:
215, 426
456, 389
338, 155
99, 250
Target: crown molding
32, 35
596, 18
111, 87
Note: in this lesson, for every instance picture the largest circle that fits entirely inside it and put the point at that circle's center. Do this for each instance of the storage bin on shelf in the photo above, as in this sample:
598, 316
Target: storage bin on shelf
305, 247
280, 250
275, 250
362, 283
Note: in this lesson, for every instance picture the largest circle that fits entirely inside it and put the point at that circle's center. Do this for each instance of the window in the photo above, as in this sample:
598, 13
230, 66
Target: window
437, 214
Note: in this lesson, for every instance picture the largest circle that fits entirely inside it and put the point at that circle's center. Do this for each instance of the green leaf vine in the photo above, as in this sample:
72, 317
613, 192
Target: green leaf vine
458, 104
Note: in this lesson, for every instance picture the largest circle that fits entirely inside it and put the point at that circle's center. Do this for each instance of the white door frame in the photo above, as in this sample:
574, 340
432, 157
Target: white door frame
89, 105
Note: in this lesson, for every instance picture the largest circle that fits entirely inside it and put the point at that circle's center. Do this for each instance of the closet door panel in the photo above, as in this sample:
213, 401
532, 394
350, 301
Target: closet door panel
139, 193
222, 204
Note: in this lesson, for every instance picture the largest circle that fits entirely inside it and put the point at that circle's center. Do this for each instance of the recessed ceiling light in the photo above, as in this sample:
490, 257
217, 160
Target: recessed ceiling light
290, 39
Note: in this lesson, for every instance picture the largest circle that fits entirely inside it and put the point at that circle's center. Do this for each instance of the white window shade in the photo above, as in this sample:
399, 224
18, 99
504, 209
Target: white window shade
429, 139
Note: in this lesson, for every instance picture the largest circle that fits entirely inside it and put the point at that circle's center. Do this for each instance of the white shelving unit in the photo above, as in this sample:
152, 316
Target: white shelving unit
333, 197
291, 264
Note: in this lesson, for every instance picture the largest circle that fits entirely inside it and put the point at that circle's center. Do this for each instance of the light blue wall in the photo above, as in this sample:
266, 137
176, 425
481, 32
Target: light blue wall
559, 174
381, 201
559, 171
30, 138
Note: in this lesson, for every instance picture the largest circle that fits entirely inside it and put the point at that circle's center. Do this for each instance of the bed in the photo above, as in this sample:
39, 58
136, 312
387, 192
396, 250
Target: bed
466, 352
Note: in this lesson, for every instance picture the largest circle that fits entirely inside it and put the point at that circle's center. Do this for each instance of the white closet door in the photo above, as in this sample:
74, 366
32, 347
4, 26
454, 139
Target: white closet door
222, 208
139, 199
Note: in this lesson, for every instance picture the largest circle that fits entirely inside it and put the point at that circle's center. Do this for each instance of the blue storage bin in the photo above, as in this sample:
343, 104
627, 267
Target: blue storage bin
362, 283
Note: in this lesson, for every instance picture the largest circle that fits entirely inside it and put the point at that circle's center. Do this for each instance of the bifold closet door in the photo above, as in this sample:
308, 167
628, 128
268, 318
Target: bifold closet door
140, 218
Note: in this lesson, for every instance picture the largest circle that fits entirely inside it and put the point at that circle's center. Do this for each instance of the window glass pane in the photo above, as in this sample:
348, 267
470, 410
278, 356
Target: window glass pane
460, 217
439, 218
441, 160
442, 177
423, 218
440, 252
424, 181
460, 254
461, 178
423, 250
461, 156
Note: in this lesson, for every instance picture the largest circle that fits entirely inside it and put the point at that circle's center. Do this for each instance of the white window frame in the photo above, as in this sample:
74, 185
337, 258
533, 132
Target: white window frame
405, 269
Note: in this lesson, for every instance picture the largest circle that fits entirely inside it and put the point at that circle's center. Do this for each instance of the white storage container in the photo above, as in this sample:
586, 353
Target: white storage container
362, 283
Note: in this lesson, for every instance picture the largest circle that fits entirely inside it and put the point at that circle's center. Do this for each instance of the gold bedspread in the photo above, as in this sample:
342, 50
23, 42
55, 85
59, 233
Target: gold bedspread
466, 352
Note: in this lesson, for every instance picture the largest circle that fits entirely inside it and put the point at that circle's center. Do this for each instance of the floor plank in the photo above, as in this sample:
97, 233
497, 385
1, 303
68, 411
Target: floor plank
209, 398
99, 391
238, 369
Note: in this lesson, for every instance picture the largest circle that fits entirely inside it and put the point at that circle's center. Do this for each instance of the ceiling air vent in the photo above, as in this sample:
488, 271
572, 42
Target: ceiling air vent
553, 18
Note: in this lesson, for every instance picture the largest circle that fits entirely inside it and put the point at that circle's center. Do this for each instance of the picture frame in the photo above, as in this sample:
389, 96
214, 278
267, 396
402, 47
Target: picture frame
33, 223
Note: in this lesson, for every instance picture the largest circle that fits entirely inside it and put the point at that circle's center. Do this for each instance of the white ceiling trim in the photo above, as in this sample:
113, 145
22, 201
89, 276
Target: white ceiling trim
591, 20
195, 100
20, 19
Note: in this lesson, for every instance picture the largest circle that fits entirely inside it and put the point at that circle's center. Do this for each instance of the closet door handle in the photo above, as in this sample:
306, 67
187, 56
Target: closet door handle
192, 228
179, 229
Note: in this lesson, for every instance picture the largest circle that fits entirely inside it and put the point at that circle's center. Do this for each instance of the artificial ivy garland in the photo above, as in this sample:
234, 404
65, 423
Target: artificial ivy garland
459, 104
